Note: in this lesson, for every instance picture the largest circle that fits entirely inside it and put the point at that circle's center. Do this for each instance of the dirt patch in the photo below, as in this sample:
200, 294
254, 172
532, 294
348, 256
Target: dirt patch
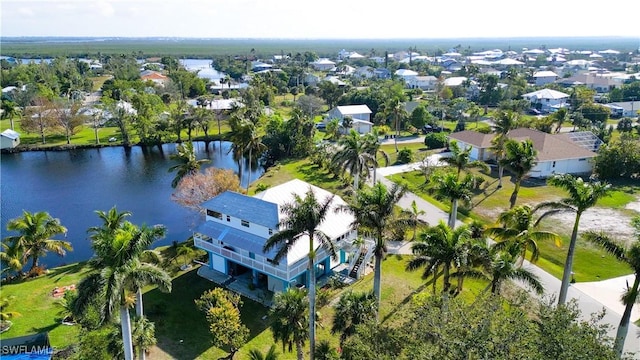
614, 223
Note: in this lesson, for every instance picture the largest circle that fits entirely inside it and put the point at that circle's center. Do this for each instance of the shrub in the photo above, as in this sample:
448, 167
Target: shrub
260, 187
405, 156
435, 140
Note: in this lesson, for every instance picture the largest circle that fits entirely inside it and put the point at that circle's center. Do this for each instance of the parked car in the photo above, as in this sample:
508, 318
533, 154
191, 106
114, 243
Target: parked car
321, 125
533, 111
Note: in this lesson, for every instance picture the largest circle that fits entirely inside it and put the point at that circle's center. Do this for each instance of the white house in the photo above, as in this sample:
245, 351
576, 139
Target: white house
323, 64
546, 98
406, 74
360, 114
9, 139
567, 153
544, 77
423, 82
237, 226
629, 108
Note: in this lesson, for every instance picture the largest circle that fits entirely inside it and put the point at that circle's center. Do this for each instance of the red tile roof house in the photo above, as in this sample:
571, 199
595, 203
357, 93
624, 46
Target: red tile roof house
568, 153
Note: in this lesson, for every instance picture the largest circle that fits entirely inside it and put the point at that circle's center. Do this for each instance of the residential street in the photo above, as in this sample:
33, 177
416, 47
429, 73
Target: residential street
592, 297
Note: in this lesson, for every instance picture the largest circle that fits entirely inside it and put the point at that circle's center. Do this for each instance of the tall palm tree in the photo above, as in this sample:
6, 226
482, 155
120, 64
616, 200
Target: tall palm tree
354, 155
303, 216
188, 164
255, 354
448, 186
352, 310
34, 239
519, 158
290, 316
254, 146
117, 272
395, 109
502, 266
461, 159
582, 196
631, 256
373, 210
504, 122
441, 247
517, 228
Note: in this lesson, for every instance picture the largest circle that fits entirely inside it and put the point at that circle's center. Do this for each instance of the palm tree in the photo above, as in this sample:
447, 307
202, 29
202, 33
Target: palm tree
413, 213
461, 159
631, 256
34, 239
187, 165
352, 310
448, 186
290, 316
503, 267
354, 155
373, 210
117, 272
324, 351
504, 122
143, 335
441, 247
303, 216
255, 354
518, 229
254, 146
373, 148
582, 196
395, 109
519, 158
11, 258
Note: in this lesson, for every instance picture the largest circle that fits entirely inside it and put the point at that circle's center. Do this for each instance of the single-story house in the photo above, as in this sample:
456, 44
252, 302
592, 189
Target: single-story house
629, 108
601, 84
544, 77
323, 64
546, 98
423, 82
9, 139
154, 76
237, 226
360, 114
566, 153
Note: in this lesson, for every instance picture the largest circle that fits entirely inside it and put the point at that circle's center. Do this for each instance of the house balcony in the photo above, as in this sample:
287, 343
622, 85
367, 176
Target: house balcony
281, 271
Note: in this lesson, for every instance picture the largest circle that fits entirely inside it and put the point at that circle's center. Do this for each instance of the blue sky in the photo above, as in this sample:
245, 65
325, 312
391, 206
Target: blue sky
372, 19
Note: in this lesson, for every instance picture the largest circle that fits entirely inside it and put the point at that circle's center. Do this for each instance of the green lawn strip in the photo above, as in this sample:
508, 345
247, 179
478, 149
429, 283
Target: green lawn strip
418, 149
38, 308
590, 263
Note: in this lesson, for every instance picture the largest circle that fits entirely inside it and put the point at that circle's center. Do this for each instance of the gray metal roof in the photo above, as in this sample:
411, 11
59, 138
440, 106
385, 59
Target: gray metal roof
236, 238
244, 207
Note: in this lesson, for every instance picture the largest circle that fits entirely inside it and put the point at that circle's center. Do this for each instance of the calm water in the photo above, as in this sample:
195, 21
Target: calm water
205, 70
71, 185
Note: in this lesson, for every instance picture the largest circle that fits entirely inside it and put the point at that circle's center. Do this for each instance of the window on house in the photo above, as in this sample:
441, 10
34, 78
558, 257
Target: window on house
214, 214
244, 223
228, 218
252, 255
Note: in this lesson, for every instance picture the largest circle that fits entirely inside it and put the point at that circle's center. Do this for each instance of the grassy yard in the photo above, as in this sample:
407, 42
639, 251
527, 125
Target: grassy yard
590, 264
418, 149
38, 308
182, 330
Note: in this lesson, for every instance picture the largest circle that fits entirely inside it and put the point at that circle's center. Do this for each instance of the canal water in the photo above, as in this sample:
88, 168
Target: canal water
72, 185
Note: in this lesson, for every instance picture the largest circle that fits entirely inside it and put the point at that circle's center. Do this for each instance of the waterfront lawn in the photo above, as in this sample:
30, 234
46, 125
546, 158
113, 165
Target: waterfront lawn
38, 308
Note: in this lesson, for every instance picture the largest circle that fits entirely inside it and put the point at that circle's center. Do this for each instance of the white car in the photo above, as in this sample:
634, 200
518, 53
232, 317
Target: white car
112, 139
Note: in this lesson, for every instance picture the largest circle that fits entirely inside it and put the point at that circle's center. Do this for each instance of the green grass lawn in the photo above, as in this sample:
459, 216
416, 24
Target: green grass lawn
590, 263
182, 331
39, 313
418, 149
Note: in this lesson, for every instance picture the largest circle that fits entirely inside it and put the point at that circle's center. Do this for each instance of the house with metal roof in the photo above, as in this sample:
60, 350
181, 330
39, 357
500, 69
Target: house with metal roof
546, 99
359, 114
566, 153
237, 226
9, 139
